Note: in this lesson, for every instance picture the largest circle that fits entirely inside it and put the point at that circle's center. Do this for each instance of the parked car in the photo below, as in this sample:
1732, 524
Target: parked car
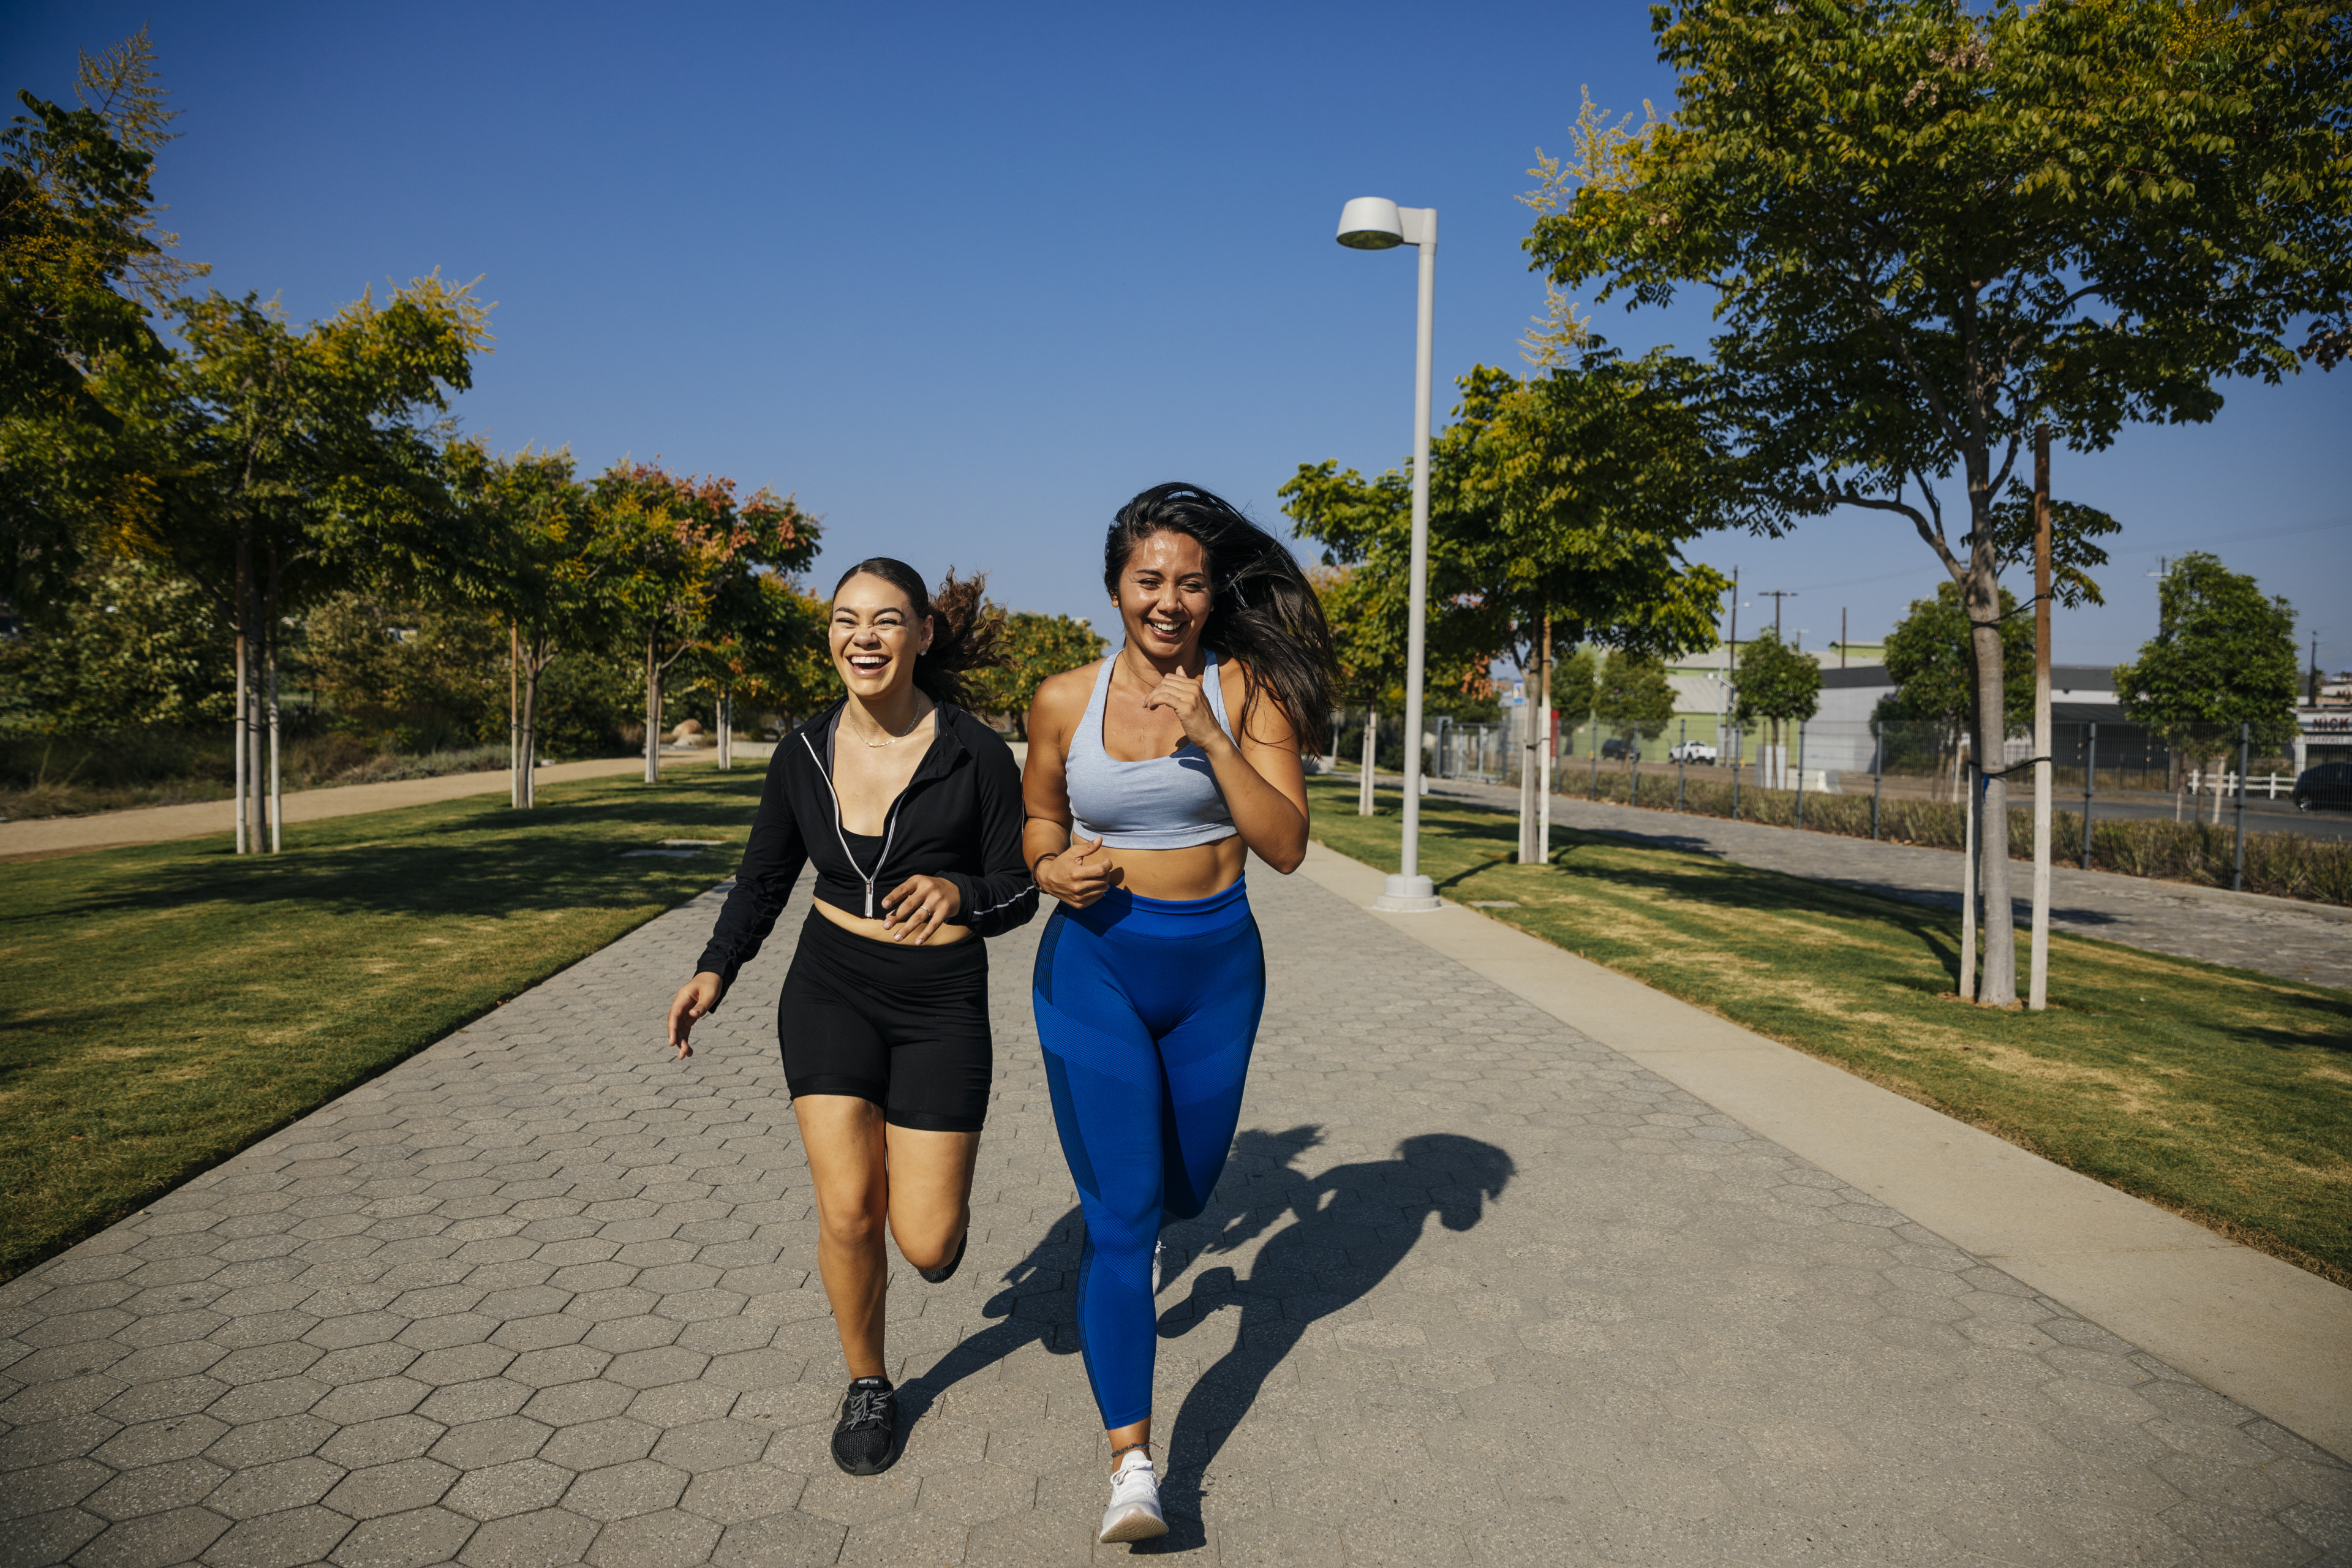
1618, 747
2327, 787
1692, 751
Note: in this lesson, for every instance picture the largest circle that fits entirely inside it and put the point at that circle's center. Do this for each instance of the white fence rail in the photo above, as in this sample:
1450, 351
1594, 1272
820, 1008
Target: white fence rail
2268, 785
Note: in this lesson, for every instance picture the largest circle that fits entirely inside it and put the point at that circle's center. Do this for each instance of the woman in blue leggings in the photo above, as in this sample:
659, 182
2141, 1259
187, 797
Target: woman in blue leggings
1152, 776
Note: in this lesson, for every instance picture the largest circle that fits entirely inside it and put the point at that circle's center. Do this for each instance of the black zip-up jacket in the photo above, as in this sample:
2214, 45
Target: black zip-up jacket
959, 818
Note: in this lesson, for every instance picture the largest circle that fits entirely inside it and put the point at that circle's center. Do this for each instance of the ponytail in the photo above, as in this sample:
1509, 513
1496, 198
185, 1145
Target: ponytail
966, 635
1262, 610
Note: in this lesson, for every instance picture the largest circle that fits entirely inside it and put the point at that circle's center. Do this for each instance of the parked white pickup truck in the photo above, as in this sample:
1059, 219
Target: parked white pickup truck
1691, 752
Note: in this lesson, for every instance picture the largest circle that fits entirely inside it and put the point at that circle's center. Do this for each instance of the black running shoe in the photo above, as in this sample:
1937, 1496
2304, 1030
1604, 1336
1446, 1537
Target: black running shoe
869, 1421
941, 1275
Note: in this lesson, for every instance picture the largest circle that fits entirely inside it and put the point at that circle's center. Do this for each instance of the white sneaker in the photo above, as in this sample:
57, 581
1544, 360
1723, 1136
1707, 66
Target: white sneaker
1158, 1249
1134, 1511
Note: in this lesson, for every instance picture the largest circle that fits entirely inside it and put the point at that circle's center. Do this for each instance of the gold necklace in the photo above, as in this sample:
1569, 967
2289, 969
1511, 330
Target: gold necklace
893, 740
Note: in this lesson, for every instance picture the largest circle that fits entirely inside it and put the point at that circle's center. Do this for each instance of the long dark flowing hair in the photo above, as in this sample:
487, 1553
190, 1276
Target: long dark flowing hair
1262, 610
966, 636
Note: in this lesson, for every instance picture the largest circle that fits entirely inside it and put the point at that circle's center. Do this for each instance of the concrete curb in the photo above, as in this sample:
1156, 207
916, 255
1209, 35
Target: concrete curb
2262, 1333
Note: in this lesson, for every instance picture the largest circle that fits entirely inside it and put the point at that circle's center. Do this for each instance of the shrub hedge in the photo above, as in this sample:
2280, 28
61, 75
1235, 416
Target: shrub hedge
2284, 865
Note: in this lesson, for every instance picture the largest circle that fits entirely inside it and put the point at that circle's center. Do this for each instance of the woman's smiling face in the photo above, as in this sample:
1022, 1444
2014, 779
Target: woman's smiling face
1163, 593
876, 635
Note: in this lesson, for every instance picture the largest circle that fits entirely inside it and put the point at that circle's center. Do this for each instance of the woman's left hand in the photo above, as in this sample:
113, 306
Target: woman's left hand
1182, 694
918, 907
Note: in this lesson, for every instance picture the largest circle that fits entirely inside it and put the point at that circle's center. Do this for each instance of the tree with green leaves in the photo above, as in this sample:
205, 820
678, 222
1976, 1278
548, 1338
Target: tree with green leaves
1576, 685
2223, 656
1559, 506
277, 465
1632, 696
1930, 657
1036, 646
679, 561
82, 261
1776, 684
1930, 228
408, 674
1569, 495
771, 648
527, 524
132, 646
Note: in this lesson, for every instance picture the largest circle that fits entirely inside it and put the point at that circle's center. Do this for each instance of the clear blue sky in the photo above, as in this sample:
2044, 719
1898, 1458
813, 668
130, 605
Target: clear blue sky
966, 278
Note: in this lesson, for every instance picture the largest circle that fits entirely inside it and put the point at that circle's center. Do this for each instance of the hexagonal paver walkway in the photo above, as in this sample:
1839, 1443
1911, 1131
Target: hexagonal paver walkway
1474, 1288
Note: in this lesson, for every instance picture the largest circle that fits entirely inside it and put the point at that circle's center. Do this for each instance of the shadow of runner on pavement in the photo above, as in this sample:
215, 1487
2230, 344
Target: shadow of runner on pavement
1355, 1225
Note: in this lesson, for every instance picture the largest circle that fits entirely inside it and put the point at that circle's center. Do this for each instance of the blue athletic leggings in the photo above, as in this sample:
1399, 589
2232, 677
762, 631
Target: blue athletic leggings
1147, 1009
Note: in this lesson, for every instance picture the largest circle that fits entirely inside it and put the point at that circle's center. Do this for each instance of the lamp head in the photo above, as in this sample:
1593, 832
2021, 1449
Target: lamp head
1370, 222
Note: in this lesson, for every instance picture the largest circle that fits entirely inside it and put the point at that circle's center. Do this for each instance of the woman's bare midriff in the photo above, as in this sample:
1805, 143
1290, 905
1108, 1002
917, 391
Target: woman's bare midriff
1199, 871
874, 930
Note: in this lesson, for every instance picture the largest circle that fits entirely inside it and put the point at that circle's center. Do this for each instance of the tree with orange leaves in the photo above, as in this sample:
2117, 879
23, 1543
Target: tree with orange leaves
681, 560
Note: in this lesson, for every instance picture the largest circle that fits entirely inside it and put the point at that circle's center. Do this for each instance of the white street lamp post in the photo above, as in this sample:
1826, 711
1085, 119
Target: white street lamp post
1375, 223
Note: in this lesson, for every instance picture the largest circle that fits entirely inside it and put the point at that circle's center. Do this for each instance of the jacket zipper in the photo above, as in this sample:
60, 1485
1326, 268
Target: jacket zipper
889, 825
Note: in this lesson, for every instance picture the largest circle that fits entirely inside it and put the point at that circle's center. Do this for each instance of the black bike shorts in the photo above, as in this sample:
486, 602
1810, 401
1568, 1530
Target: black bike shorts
903, 1026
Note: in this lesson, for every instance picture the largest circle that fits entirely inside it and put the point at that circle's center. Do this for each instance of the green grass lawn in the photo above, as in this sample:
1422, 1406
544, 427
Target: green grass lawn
164, 1006
2222, 1095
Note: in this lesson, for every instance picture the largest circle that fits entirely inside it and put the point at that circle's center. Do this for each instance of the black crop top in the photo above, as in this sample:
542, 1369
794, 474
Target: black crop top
959, 818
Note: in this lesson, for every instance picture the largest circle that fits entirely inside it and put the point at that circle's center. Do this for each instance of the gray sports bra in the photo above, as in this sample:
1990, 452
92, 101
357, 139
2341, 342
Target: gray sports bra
1160, 803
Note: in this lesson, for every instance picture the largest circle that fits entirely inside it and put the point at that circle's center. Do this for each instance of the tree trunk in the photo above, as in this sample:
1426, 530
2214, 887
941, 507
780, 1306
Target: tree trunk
256, 827
269, 683
1998, 987
653, 712
529, 737
514, 716
244, 712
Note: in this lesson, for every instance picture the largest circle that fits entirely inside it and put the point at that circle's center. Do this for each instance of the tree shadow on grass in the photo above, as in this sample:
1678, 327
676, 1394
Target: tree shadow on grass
1728, 884
1355, 1223
1946, 900
560, 855
2335, 1014
1472, 821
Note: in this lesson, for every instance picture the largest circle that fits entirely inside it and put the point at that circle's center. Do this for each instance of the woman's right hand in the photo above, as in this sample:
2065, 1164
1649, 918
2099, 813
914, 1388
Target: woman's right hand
697, 998
1073, 875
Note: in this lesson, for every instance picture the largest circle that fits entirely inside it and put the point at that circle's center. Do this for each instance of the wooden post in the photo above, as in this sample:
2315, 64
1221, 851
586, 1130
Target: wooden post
1550, 744
1529, 684
2245, 761
277, 790
244, 717
2037, 993
1968, 888
2090, 776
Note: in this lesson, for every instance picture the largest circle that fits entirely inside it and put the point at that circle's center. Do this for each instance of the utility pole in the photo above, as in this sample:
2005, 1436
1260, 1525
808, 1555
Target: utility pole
1731, 677
1551, 745
2038, 981
1776, 595
1840, 639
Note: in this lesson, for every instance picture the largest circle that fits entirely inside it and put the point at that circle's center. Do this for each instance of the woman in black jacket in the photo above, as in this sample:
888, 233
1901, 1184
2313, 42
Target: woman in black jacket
910, 810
